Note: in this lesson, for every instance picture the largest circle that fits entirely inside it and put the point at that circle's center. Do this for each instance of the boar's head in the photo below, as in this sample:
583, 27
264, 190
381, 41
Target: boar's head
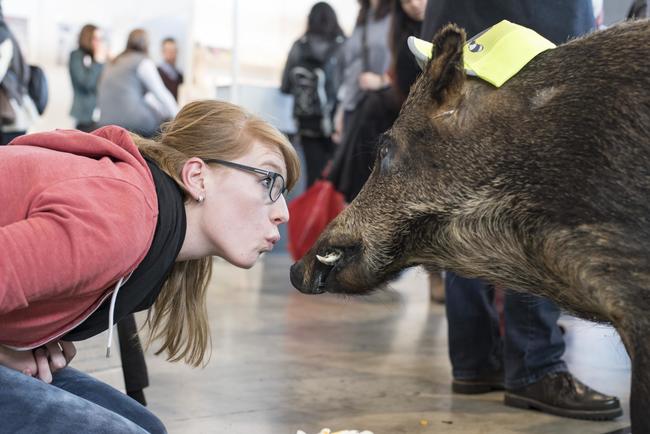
518, 185
395, 218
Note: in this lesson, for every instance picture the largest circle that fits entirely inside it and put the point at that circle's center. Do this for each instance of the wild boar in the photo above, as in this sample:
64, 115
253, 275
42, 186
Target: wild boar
541, 185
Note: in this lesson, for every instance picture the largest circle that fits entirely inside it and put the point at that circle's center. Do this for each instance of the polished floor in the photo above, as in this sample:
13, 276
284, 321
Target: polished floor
282, 361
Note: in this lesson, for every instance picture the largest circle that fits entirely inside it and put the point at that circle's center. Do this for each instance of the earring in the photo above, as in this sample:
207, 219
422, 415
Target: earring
200, 199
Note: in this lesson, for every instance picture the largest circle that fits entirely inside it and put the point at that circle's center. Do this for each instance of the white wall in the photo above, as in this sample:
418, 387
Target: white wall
267, 30
52, 31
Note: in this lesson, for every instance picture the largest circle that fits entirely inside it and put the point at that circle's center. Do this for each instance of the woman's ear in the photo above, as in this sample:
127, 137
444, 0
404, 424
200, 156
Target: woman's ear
193, 177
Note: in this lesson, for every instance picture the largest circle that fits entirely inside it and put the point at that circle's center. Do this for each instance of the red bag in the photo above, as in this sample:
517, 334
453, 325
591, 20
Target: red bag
310, 213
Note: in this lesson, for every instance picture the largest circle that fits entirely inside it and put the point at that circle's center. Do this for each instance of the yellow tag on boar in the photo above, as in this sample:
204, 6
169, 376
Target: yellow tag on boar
496, 54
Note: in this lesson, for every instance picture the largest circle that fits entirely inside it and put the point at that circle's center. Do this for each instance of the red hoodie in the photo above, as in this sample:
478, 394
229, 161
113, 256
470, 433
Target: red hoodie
77, 212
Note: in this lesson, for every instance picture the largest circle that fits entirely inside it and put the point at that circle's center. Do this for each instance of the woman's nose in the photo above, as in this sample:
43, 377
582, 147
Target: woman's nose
280, 211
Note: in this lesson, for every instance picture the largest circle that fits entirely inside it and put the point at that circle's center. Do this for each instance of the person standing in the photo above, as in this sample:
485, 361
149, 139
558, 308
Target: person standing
85, 66
171, 76
310, 76
365, 62
131, 93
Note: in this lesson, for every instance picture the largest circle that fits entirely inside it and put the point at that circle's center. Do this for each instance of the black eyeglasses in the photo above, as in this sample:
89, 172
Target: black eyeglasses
276, 184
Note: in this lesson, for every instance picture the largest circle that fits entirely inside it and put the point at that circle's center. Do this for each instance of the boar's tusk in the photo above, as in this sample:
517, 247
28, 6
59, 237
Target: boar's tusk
330, 258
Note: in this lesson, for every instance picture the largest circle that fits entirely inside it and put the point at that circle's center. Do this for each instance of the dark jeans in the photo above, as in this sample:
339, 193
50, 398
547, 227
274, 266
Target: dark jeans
531, 348
73, 403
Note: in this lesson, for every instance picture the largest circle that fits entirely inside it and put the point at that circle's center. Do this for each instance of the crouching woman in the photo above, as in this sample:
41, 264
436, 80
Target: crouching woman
94, 227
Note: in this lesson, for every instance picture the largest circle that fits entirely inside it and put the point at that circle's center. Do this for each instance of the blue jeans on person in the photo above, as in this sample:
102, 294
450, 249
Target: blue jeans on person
532, 345
74, 403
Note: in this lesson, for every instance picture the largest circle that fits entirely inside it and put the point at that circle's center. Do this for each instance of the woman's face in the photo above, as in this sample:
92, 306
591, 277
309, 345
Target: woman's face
97, 40
414, 8
239, 219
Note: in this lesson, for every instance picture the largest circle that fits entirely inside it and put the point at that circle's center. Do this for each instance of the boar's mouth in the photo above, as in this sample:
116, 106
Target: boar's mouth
325, 268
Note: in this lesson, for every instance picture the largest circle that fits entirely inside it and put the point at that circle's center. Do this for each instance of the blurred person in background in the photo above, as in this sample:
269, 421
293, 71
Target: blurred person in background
85, 65
17, 110
171, 76
407, 17
131, 93
310, 75
365, 58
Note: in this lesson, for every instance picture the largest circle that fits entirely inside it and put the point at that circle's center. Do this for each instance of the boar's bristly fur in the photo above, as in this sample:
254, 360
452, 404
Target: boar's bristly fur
541, 185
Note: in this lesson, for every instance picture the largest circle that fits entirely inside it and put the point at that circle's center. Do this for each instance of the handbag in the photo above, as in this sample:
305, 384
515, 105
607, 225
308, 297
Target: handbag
310, 213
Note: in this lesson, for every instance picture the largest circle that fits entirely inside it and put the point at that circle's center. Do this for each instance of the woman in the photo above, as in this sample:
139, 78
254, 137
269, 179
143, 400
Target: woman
114, 224
310, 75
366, 58
131, 92
407, 17
380, 100
85, 66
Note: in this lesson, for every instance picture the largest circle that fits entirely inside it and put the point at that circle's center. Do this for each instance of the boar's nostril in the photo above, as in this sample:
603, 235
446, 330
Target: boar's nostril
331, 258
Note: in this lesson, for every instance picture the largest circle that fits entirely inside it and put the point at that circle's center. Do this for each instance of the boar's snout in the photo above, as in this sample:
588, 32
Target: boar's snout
318, 270
297, 274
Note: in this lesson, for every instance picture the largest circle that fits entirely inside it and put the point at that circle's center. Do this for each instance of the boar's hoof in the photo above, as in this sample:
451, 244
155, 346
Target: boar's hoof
331, 258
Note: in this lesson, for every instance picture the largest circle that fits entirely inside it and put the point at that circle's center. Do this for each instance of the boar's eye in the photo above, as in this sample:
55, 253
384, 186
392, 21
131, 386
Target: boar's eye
384, 158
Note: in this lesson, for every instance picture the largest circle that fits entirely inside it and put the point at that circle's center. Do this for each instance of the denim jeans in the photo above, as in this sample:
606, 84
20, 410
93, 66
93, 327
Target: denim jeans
74, 402
532, 345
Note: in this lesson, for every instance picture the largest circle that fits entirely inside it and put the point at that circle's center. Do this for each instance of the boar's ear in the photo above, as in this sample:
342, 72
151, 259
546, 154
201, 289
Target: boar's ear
446, 69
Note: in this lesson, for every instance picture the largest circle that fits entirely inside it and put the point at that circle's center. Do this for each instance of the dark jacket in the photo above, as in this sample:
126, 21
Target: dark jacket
172, 78
556, 20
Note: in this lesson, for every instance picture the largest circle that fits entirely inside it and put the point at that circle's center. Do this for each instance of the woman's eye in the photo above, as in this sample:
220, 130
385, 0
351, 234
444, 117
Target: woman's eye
267, 181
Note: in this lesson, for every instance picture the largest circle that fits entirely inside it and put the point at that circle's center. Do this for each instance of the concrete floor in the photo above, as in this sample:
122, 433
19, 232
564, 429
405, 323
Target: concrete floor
284, 361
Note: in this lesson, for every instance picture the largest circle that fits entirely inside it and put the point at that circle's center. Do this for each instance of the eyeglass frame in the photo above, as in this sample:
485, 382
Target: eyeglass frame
267, 173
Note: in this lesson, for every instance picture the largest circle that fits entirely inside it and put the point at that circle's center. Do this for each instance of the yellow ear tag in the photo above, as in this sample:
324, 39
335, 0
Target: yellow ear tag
494, 55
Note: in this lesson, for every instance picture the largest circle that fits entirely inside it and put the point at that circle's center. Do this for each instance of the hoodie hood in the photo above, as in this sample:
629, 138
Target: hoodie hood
111, 141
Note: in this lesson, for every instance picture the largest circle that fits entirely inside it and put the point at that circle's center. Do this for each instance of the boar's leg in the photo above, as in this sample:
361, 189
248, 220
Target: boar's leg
640, 395
636, 338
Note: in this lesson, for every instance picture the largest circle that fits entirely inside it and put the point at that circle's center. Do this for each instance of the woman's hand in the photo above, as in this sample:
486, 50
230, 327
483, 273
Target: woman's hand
337, 135
21, 361
41, 362
372, 81
53, 357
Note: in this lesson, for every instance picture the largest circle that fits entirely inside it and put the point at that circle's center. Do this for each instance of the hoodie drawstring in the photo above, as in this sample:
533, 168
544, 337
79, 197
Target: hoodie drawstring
111, 312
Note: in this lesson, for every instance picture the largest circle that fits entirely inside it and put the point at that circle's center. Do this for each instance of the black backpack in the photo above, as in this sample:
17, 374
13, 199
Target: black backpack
312, 103
308, 89
37, 88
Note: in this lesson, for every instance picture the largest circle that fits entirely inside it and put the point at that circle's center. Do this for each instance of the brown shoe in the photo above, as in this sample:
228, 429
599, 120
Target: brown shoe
561, 394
